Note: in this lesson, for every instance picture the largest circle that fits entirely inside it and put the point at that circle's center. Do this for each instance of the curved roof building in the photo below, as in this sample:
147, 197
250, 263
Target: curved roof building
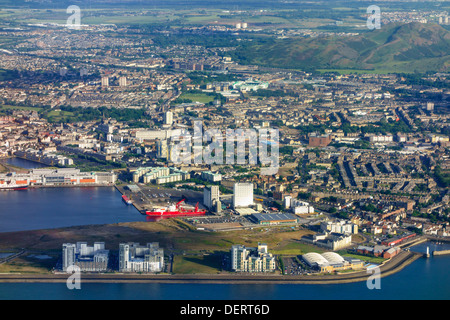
330, 261
333, 258
314, 259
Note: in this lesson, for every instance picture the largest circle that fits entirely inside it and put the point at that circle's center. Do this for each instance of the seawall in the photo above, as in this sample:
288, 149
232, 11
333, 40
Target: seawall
441, 253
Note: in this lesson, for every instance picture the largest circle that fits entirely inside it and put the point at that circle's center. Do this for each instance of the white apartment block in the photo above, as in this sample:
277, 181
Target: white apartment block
297, 206
242, 195
342, 226
252, 259
87, 258
134, 257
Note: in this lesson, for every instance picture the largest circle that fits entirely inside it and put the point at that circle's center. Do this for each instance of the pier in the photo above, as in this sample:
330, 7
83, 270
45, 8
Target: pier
440, 253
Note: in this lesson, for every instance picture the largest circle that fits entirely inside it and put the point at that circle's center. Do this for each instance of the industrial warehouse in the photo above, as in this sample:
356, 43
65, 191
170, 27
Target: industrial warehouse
57, 177
274, 219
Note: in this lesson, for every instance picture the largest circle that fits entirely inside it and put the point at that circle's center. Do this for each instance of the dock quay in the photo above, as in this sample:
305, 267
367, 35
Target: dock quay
145, 198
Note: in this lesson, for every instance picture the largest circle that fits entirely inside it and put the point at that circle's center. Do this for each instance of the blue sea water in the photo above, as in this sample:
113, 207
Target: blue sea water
424, 279
46, 208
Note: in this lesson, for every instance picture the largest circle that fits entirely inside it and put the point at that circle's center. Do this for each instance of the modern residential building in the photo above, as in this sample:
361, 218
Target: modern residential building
210, 196
162, 149
342, 226
159, 175
298, 206
242, 195
105, 82
168, 118
48, 158
252, 259
88, 258
134, 257
211, 177
123, 81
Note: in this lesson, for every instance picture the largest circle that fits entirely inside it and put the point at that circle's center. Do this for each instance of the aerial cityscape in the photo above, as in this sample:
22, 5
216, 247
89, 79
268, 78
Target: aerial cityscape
242, 142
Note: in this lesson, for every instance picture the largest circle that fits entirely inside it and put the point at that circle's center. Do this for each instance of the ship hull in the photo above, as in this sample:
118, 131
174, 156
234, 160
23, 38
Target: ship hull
126, 200
174, 213
14, 188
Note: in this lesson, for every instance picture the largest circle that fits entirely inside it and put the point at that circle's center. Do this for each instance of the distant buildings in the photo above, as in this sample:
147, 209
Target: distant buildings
298, 206
88, 258
330, 240
123, 81
162, 149
252, 259
105, 82
159, 175
274, 218
319, 140
48, 158
250, 85
136, 258
63, 72
242, 195
379, 251
211, 177
379, 138
63, 177
343, 226
168, 118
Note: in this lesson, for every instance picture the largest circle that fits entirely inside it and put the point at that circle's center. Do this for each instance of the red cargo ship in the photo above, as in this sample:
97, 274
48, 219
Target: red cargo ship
175, 210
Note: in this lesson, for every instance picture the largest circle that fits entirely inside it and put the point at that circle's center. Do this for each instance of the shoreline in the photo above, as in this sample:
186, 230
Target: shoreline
392, 266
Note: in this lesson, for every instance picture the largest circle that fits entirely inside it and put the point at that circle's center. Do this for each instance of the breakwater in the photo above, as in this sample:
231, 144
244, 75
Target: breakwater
441, 252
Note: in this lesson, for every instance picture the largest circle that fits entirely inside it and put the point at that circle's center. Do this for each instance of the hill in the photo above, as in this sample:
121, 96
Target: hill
395, 47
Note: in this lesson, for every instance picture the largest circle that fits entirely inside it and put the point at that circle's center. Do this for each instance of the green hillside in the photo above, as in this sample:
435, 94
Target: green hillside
396, 47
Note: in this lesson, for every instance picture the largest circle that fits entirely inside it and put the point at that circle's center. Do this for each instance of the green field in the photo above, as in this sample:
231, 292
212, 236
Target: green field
3, 108
359, 71
376, 260
197, 97
295, 248
195, 264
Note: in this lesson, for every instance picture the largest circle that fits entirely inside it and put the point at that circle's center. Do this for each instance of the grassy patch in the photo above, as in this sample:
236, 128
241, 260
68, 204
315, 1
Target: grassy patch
28, 264
13, 108
295, 248
376, 260
209, 264
197, 97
